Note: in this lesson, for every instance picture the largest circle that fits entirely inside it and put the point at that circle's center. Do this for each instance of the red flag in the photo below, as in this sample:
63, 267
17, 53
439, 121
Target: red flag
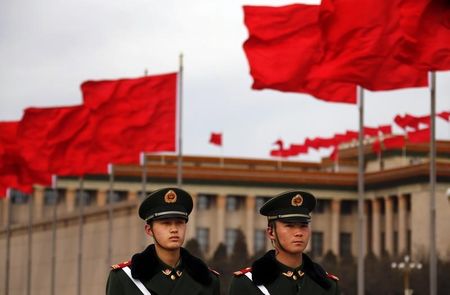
412, 121
361, 40
335, 154
284, 44
426, 24
280, 144
376, 146
129, 116
419, 136
445, 116
370, 131
394, 142
216, 139
297, 149
385, 129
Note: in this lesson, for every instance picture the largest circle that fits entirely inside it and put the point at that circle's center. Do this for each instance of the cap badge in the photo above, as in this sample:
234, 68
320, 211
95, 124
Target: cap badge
297, 201
170, 197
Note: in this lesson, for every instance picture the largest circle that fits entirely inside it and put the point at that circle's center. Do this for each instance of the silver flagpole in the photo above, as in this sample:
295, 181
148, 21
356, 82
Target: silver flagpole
80, 234
54, 225
143, 162
361, 223
110, 211
433, 258
30, 241
8, 240
180, 117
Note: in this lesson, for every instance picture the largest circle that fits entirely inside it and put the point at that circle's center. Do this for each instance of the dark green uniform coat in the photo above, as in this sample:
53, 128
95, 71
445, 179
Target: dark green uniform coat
310, 278
191, 276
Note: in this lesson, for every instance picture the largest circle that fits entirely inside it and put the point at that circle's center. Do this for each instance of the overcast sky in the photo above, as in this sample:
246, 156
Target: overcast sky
49, 47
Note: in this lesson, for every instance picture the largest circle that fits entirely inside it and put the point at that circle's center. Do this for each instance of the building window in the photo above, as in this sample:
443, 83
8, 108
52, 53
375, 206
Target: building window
51, 197
408, 202
234, 202
321, 205
203, 238
230, 239
259, 202
394, 201
86, 197
345, 246
317, 244
260, 240
18, 198
204, 201
346, 207
117, 196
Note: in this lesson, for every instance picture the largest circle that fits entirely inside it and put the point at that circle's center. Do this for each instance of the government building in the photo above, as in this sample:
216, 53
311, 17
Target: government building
228, 193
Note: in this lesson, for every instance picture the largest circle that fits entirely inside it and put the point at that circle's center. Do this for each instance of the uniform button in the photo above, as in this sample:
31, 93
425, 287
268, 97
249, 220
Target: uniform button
173, 277
294, 277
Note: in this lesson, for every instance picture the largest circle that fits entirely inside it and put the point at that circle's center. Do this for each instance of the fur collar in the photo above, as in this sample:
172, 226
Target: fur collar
145, 265
265, 270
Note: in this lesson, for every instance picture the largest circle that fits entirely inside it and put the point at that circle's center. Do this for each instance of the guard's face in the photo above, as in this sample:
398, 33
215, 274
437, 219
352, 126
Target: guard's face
167, 233
293, 237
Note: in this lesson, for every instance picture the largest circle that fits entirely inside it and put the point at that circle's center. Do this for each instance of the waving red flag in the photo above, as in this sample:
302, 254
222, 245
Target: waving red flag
129, 116
361, 39
426, 23
284, 44
419, 136
216, 139
394, 142
444, 115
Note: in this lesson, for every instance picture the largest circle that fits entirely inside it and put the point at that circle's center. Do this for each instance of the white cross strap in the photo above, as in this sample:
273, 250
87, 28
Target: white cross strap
260, 287
138, 283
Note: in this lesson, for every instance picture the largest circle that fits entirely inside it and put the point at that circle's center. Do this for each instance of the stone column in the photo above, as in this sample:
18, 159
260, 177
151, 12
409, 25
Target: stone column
70, 199
335, 229
250, 202
192, 224
132, 196
376, 233
5, 212
402, 228
220, 227
389, 225
38, 202
102, 198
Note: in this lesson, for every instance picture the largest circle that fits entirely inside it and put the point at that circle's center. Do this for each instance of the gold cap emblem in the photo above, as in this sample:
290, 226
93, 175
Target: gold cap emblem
297, 201
170, 197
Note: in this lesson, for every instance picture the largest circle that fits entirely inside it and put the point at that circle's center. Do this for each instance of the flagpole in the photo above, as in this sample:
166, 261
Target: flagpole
360, 264
110, 212
80, 234
8, 240
143, 162
54, 225
30, 241
180, 113
433, 258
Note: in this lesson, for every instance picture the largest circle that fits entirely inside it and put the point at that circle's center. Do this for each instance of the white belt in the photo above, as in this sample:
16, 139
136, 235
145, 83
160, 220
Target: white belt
260, 287
138, 283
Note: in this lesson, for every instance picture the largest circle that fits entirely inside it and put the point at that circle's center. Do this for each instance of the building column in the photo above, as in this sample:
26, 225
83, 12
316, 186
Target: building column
376, 233
250, 202
70, 199
192, 224
335, 229
102, 197
389, 225
132, 196
402, 229
5, 213
221, 203
38, 202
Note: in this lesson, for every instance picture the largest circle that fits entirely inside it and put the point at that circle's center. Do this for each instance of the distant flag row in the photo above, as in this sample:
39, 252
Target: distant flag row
117, 121
326, 50
416, 128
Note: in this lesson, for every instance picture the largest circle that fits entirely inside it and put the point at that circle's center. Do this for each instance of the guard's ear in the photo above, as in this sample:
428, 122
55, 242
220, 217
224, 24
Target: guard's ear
270, 233
148, 229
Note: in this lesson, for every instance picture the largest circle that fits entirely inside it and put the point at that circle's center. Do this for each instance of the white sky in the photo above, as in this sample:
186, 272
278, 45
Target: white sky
49, 47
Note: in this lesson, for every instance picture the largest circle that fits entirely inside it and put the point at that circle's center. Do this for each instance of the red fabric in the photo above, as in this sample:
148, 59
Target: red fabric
426, 25
444, 115
320, 142
412, 121
360, 40
335, 154
216, 138
385, 129
297, 149
352, 134
281, 153
370, 131
376, 146
280, 144
283, 46
419, 136
129, 116
394, 142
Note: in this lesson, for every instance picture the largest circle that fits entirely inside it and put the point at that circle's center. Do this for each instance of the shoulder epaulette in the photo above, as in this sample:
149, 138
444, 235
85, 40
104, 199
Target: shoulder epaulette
214, 271
242, 271
121, 265
333, 277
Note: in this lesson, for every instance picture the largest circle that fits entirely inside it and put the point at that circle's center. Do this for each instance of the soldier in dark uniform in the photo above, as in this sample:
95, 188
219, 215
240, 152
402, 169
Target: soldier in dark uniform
164, 267
286, 270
